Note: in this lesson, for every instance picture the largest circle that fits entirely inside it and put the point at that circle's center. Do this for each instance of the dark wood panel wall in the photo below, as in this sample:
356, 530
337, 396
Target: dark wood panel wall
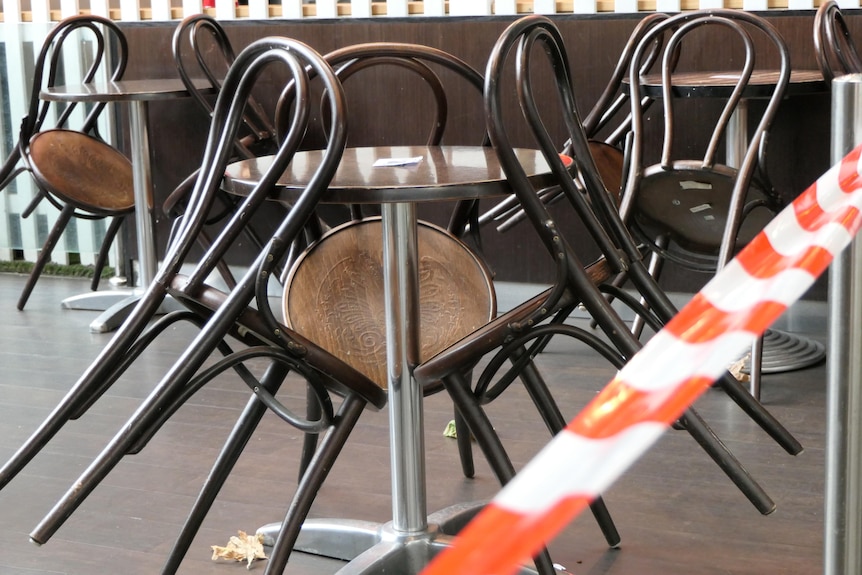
798, 153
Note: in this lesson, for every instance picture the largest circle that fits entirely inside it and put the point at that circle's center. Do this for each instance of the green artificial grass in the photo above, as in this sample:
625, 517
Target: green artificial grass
52, 269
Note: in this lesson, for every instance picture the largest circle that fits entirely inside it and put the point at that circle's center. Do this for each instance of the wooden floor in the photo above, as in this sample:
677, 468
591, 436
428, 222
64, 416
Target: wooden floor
676, 511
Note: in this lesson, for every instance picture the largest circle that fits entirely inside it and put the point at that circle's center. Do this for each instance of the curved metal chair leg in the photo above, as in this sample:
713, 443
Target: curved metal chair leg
459, 390
330, 446
222, 467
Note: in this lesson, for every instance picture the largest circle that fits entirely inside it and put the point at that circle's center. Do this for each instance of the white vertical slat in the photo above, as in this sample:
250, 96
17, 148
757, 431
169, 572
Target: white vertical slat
848, 4
755, 5
505, 7
360, 8
68, 8
225, 9
161, 10
258, 9
470, 8
398, 8
291, 9
584, 7
11, 11
626, 6
801, 4
668, 6
434, 7
550, 6
327, 8
40, 10
192, 7
100, 8
130, 10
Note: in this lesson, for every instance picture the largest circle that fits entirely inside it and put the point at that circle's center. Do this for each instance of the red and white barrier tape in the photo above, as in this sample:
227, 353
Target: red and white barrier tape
666, 376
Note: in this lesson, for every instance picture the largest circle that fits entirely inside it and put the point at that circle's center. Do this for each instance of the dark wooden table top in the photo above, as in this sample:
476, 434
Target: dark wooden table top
715, 84
443, 173
101, 91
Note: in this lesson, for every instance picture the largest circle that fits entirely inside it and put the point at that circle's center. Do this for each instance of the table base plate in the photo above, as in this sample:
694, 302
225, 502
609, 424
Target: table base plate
371, 548
783, 351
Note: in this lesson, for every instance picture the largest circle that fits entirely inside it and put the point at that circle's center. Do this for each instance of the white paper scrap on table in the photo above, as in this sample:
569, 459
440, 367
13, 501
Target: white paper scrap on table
388, 162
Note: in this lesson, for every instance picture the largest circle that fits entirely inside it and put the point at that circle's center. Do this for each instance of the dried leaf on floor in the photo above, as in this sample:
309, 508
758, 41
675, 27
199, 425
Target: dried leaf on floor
241, 547
737, 367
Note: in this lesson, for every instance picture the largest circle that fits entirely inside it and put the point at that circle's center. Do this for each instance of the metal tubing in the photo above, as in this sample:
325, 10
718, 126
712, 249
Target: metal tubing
143, 185
843, 514
401, 287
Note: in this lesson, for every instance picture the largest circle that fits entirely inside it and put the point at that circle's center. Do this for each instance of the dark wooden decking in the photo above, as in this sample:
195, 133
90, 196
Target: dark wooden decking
676, 511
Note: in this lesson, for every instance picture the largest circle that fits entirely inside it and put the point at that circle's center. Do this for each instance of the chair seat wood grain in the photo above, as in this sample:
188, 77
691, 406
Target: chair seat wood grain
334, 294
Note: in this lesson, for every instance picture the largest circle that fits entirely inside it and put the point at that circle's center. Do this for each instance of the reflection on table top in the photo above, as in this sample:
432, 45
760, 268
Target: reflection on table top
101, 91
444, 173
717, 84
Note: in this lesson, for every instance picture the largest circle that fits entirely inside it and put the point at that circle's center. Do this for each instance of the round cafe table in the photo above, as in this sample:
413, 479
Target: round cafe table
413, 174
116, 304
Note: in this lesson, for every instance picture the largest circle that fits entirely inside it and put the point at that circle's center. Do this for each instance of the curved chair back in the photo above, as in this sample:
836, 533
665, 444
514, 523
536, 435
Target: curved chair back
833, 44
203, 52
69, 138
533, 43
690, 206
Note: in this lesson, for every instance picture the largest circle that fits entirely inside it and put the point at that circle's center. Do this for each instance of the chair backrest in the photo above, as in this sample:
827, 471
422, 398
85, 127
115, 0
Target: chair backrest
705, 222
833, 45
54, 66
445, 82
614, 98
203, 51
597, 214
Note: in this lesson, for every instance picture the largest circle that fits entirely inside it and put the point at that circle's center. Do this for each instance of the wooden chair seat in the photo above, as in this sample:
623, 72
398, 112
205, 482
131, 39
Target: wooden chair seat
334, 294
83, 171
690, 206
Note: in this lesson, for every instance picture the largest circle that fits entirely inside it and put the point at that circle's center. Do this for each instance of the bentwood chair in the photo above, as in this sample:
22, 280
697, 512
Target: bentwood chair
682, 202
606, 126
73, 168
344, 268
432, 86
202, 55
267, 351
833, 44
520, 334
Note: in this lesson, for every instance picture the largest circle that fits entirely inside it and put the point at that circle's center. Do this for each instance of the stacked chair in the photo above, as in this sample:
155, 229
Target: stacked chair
242, 314
74, 169
513, 339
833, 44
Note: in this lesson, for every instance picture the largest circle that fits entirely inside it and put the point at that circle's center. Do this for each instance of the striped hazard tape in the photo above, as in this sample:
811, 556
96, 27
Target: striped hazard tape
668, 374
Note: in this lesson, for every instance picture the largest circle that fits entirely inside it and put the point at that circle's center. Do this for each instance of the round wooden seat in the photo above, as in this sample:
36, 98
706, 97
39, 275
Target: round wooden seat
334, 294
83, 171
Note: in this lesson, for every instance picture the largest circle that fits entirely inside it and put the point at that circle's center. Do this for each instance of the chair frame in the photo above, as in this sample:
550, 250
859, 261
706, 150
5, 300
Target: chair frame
103, 31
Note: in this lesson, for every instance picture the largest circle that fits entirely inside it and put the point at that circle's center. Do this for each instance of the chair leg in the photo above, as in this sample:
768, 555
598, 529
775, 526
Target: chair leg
228, 456
309, 440
330, 446
709, 441
105, 250
459, 390
464, 437
45, 254
663, 307
95, 381
544, 402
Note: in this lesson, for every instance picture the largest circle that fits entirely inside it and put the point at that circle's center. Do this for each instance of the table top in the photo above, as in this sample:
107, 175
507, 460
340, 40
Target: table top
444, 173
714, 84
123, 90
